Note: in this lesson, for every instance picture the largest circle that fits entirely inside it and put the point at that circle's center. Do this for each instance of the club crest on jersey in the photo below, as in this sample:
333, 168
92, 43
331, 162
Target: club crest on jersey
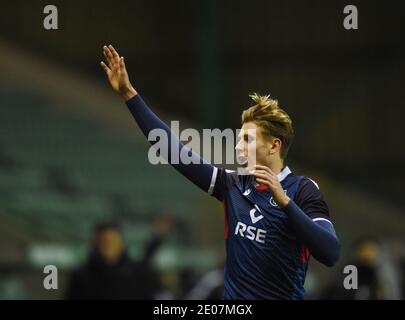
273, 203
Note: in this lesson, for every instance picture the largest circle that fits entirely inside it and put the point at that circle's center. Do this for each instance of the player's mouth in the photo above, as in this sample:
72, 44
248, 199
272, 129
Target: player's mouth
242, 160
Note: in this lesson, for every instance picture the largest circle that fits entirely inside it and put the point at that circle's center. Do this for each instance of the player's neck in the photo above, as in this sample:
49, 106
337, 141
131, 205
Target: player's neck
276, 165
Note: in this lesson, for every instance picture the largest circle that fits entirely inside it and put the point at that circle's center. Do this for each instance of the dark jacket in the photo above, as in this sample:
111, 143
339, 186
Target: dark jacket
125, 279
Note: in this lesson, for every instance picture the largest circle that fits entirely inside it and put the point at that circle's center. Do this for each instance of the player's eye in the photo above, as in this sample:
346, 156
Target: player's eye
249, 138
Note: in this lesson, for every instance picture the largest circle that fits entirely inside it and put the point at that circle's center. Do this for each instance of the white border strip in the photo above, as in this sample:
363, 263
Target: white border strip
213, 180
321, 219
283, 174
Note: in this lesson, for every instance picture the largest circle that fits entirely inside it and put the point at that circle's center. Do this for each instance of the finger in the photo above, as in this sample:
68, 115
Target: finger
115, 59
263, 176
106, 52
114, 52
261, 181
259, 172
267, 169
104, 66
108, 56
122, 63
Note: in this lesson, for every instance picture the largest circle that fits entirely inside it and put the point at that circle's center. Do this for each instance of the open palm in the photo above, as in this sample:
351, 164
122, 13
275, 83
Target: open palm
116, 71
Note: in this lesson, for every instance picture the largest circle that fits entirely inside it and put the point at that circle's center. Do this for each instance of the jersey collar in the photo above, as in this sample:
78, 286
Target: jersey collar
283, 173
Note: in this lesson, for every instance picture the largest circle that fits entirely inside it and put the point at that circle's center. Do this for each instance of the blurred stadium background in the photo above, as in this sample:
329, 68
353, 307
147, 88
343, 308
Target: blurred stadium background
71, 155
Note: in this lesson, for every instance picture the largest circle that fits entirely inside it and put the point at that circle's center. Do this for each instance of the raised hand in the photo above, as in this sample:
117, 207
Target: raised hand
117, 73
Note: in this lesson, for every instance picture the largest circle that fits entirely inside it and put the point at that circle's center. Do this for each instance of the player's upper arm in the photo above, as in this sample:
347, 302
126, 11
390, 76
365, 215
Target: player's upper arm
309, 198
220, 182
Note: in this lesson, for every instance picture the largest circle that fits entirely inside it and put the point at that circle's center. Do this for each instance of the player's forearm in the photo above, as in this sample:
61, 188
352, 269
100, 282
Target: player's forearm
320, 239
199, 171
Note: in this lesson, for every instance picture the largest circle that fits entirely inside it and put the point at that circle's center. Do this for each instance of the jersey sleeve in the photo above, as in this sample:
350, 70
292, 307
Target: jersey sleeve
309, 216
221, 182
310, 199
199, 171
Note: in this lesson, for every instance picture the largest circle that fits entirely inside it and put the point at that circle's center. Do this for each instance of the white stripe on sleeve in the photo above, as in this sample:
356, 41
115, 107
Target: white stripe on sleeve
321, 219
213, 180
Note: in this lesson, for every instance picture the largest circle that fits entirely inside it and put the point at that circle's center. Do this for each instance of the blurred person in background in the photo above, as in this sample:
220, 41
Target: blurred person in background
209, 286
367, 257
392, 269
110, 273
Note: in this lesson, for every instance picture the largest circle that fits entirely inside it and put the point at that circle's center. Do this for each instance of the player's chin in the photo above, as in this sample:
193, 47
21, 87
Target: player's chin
242, 161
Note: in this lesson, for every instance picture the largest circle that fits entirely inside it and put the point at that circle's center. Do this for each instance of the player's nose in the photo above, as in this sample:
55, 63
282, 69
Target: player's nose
239, 147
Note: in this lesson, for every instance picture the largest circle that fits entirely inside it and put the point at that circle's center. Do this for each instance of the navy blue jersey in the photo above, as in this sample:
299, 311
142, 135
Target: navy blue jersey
265, 260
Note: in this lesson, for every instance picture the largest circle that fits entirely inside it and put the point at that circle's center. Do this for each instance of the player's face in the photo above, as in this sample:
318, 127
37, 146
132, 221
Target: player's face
252, 147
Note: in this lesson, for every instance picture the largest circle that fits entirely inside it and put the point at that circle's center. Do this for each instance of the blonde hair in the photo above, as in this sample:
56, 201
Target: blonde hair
274, 121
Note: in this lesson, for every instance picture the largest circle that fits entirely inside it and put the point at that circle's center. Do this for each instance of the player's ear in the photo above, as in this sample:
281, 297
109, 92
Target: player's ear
274, 146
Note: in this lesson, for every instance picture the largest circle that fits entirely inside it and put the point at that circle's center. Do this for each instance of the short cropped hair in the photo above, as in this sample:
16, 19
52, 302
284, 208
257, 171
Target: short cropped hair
274, 121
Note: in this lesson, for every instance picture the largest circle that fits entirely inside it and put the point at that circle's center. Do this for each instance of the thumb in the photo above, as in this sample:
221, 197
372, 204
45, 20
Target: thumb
105, 67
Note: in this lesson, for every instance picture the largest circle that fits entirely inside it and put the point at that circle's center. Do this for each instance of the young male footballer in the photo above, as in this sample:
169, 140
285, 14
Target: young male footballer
274, 220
